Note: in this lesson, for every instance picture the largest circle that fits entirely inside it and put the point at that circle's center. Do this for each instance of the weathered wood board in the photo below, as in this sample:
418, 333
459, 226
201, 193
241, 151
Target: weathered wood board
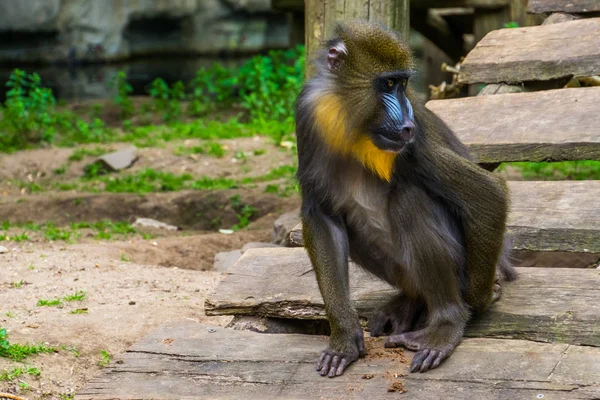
565, 6
546, 216
557, 304
537, 53
551, 125
187, 361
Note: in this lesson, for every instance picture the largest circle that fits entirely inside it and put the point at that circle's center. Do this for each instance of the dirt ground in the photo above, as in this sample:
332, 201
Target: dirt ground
132, 284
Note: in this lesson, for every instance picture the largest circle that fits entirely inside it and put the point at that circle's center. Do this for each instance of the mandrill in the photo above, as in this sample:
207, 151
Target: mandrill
385, 182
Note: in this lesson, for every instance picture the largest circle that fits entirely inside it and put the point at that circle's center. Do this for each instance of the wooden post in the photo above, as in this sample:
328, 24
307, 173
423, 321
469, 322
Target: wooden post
321, 17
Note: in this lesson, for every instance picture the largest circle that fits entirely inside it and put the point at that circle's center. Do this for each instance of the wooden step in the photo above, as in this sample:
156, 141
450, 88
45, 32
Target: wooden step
551, 125
537, 53
557, 304
564, 6
546, 216
195, 361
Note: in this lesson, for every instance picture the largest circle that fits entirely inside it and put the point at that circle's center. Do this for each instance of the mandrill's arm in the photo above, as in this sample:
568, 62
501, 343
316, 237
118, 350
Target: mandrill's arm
480, 200
326, 241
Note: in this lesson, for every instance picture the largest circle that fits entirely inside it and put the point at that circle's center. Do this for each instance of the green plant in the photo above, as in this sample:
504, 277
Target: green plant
270, 84
79, 311
575, 170
167, 100
28, 113
122, 98
511, 24
49, 303
243, 212
18, 352
18, 285
79, 295
211, 88
104, 358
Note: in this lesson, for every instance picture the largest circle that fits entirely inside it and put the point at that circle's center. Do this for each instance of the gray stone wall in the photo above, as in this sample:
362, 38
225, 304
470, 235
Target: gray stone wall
99, 30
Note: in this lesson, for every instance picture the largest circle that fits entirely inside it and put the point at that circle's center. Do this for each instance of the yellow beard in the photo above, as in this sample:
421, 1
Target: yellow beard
331, 119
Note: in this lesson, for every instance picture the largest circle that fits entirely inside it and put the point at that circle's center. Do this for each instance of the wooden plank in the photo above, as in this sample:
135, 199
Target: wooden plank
537, 53
298, 5
187, 361
542, 305
552, 125
565, 6
322, 17
546, 216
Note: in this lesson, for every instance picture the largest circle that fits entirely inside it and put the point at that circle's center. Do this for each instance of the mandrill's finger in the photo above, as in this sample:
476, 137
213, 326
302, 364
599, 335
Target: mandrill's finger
428, 361
325, 366
437, 361
320, 362
342, 367
334, 366
418, 360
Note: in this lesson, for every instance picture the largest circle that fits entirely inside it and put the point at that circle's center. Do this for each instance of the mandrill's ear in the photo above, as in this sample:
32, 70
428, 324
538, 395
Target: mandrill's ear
335, 55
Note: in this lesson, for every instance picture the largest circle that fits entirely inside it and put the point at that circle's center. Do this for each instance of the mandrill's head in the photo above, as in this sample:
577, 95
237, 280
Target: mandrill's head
361, 106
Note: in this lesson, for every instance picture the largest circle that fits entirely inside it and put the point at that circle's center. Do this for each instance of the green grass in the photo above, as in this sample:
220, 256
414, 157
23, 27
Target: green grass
575, 170
104, 358
13, 373
146, 181
49, 303
79, 154
18, 284
79, 311
18, 352
79, 295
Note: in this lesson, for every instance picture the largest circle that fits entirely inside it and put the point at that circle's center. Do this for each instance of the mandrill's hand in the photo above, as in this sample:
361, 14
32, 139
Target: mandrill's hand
343, 350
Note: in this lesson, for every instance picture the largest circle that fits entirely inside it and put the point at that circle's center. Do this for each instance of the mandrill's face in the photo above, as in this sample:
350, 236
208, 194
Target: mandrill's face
394, 123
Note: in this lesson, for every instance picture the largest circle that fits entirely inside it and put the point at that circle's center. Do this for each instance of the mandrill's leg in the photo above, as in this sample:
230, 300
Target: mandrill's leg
327, 244
398, 315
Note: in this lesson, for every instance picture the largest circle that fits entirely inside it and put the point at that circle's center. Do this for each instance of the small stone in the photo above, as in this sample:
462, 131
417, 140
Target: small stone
226, 231
132, 303
3, 250
152, 223
283, 226
211, 330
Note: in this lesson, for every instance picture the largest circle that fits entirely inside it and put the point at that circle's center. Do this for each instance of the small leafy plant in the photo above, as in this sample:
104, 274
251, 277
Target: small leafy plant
122, 98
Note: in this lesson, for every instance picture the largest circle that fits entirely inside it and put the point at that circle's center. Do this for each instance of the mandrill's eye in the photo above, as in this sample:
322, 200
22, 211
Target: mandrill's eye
404, 82
390, 83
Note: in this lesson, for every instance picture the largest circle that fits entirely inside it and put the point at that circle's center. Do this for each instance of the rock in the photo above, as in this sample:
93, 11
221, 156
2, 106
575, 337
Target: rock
283, 226
225, 260
89, 30
257, 245
121, 159
3, 250
152, 223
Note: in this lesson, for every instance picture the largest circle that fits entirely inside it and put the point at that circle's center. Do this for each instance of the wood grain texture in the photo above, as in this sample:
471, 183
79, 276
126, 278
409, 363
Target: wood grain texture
552, 125
537, 53
322, 17
566, 6
545, 216
543, 304
187, 361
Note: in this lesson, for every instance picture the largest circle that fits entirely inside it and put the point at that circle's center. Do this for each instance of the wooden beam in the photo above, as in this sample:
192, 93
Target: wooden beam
537, 53
546, 216
280, 283
566, 6
322, 17
552, 125
196, 361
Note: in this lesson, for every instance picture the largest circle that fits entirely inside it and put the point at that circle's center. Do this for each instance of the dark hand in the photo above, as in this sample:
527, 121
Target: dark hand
343, 352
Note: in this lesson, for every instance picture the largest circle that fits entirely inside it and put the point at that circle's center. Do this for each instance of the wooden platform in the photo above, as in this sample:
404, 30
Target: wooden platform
547, 216
557, 304
553, 125
537, 53
194, 361
564, 6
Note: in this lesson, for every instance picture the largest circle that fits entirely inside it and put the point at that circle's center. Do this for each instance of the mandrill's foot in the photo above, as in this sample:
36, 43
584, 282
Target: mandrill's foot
398, 315
342, 352
432, 344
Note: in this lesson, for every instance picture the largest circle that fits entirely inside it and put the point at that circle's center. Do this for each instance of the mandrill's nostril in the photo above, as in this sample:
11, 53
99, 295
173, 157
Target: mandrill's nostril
406, 131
